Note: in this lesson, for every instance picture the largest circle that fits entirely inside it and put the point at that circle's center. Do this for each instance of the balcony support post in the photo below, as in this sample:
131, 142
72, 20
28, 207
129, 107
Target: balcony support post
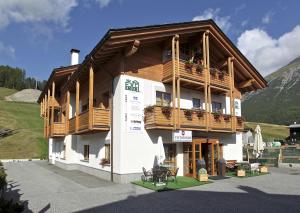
174, 80
68, 113
91, 97
205, 77
45, 116
48, 113
77, 106
178, 80
232, 94
52, 102
208, 79
231, 91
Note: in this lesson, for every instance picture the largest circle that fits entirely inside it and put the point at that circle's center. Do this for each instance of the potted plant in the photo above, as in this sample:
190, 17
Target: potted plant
188, 113
226, 118
263, 168
202, 174
189, 64
241, 171
166, 110
199, 68
240, 119
222, 74
104, 162
213, 71
149, 109
200, 113
217, 115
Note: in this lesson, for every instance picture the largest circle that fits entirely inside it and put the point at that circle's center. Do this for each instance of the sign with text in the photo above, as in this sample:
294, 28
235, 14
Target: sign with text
182, 136
134, 105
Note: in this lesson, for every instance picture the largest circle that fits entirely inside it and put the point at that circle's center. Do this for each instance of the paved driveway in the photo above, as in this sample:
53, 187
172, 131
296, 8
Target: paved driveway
47, 188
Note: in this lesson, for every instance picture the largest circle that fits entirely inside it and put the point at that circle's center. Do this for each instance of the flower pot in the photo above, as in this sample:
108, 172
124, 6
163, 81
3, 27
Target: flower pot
263, 169
241, 173
203, 177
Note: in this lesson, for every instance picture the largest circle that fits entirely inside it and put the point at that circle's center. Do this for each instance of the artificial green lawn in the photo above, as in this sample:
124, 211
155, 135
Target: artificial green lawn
182, 182
247, 174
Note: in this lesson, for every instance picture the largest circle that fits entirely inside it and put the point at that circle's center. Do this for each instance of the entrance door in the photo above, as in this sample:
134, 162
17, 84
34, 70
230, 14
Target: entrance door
201, 148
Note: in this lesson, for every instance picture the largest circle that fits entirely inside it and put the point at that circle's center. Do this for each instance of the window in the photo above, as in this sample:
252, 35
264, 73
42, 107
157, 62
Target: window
163, 99
184, 51
86, 152
196, 103
107, 153
216, 106
170, 154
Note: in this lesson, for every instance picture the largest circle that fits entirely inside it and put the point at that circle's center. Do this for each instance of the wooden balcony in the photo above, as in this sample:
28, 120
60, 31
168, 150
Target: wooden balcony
219, 79
190, 72
72, 125
220, 122
54, 102
158, 117
100, 121
192, 119
239, 124
57, 129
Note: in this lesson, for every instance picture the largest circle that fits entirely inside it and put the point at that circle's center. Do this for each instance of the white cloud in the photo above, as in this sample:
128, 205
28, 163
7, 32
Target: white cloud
29, 11
103, 3
7, 50
269, 54
222, 21
267, 18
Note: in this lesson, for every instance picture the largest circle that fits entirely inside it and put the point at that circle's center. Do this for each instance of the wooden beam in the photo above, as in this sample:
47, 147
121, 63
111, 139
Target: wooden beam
48, 112
173, 80
91, 97
77, 106
208, 80
52, 102
68, 113
206, 73
246, 83
133, 48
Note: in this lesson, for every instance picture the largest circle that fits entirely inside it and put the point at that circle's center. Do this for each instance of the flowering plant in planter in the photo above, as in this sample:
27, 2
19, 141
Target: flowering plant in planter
240, 119
213, 71
200, 113
226, 117
222, 74
189, 64
199, 68
166, 110
217, 115
149, 109
188, 113
104, 161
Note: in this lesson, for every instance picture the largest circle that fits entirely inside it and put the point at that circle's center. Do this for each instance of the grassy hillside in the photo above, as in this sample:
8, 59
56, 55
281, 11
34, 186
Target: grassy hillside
28, 141
270, 131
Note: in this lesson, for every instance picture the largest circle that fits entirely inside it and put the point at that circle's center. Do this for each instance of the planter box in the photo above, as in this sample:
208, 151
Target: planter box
241, 173
203, 178
263, 169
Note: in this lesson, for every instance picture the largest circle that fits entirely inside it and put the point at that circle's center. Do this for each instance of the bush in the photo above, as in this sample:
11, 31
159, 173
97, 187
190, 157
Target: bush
10, 206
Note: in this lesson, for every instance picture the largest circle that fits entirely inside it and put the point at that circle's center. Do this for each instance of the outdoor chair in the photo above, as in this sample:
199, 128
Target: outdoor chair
173, 174
160, 176
147, 175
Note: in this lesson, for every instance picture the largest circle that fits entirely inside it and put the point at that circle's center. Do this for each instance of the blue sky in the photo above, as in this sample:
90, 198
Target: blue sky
37, 35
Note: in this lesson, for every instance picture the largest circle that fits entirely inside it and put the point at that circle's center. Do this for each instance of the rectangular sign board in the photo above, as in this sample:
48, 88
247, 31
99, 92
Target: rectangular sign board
182, 136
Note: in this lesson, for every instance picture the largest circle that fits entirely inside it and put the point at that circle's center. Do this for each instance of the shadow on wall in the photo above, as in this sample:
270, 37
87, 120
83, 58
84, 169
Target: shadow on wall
251, 200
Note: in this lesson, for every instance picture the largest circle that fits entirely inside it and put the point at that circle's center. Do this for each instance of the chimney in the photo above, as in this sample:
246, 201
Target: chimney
74, 56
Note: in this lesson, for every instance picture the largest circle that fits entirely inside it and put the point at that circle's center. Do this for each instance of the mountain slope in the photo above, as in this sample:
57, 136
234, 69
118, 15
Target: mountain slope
278, 103
27, 141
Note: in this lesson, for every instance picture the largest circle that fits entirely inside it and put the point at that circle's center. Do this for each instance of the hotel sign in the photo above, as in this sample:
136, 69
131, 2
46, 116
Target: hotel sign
182, 136
132, 85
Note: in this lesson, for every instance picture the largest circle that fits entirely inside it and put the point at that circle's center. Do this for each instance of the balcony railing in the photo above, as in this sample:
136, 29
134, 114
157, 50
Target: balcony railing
100, 120
158, 117
220, 122
239, 124
187, 71
219, 78
57, 129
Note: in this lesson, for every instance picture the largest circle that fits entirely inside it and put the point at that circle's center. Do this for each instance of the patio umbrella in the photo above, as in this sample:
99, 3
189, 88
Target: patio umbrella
161, 151
258, 142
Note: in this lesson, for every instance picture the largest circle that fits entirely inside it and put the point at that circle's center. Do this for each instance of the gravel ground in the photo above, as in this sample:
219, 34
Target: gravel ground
25, 95
47, 188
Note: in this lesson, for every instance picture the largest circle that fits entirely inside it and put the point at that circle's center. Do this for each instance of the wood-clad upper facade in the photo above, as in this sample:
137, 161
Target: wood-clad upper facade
193, 55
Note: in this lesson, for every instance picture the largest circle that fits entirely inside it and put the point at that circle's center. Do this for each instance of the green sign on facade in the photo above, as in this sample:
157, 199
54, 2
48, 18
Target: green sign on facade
132, 85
